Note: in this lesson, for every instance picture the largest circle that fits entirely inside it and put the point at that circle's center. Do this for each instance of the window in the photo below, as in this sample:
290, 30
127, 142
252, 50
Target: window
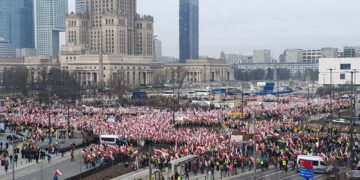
345, 66
315, 163
342, 76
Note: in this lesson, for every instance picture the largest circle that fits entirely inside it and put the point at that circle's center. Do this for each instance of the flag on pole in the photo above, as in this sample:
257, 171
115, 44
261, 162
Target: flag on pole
58, 173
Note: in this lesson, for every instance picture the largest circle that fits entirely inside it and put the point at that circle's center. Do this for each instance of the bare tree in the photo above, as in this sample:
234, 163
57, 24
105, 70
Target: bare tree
118, 85
15, 79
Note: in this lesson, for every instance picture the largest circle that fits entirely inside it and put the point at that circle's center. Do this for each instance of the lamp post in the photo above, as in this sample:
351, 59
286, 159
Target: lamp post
331, 100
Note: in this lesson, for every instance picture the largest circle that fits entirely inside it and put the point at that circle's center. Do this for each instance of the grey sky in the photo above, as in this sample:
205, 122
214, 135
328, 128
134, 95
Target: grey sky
239, 26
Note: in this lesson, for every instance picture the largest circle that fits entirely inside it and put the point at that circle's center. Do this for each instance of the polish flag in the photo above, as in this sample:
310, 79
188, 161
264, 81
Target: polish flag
58, 173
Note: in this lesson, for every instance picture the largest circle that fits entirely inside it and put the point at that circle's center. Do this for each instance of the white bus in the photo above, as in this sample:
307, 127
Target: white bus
111, 140
168, 94
202, 92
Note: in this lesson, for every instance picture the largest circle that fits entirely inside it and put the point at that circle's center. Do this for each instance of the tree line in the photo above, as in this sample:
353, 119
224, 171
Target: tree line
282, 74
42, 84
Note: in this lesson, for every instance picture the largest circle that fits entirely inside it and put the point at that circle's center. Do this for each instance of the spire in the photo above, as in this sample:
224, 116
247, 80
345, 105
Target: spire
101, 62
222, 55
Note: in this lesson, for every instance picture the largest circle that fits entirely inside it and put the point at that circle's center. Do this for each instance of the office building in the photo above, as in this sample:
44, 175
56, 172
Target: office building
189, 30
351, 51
311, 56
49, 22
114, 27
341, 74
262, 56
17, 22
158, 48
293, 55
6, 48
329, 52
80, 6
293, 67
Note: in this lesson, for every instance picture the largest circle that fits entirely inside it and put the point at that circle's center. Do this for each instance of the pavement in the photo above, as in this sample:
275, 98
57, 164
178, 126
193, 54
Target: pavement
270, 174
44, 170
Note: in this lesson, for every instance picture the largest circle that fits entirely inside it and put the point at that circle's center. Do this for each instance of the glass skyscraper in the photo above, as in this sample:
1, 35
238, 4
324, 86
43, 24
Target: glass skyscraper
79, 6
189, 30
17, 22
49, 22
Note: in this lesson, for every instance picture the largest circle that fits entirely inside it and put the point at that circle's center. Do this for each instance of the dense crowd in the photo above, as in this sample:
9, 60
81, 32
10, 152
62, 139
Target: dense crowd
278, 134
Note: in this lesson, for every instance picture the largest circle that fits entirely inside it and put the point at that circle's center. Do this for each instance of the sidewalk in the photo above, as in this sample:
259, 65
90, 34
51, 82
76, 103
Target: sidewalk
24, 167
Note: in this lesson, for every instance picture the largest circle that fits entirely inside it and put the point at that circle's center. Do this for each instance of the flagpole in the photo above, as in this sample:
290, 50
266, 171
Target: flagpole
150, 171
254, 121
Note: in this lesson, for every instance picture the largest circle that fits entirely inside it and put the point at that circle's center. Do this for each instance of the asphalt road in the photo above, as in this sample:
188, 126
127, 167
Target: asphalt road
275, 174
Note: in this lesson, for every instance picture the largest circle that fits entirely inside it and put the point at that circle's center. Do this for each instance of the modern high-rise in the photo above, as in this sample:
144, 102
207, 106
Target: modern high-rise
113, 27
17, 22
49, 22
262, 56
80, 6
189, 30
158, 48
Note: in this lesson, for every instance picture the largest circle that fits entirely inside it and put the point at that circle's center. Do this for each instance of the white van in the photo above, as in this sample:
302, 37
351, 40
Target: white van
317, 161
111, 140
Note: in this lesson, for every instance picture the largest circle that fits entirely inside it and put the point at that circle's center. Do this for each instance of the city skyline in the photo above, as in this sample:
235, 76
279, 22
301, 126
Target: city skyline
241, 27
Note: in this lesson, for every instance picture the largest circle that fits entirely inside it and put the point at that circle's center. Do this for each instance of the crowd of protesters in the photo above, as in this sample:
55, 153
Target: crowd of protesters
277, 131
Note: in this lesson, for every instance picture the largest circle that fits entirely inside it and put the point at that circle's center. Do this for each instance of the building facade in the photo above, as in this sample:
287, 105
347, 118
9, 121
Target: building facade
341, 71
49, 22
17, 22
351, 52
113, 27
293, 67
136, 70
80, 6
329, 52
311, 56
6, 48
35, 65
262, 56
158, 48
188, 30
293, 55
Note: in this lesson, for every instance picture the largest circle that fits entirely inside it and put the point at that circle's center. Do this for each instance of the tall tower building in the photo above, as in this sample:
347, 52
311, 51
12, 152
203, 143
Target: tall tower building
49, 22
113, 26
80, 6
189, 29
17, 22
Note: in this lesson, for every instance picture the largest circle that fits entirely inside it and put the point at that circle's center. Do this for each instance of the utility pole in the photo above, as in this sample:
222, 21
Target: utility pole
308, 83
150, 170
352, 119
331, 100
12, 159
242, 96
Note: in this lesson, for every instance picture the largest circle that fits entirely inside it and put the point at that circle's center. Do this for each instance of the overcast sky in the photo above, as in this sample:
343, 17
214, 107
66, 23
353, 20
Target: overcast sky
239, 26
